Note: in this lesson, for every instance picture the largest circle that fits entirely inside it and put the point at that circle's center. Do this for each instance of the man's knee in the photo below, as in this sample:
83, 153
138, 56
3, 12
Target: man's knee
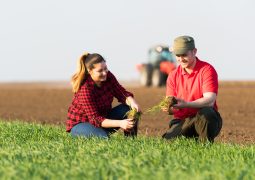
207, 112
175, 127
210, 119
210, 115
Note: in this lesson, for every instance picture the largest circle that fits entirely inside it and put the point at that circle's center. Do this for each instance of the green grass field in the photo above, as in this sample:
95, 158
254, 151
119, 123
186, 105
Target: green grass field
30, 151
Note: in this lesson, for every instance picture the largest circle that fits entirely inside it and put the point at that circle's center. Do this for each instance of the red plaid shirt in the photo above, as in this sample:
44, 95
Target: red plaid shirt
92, 103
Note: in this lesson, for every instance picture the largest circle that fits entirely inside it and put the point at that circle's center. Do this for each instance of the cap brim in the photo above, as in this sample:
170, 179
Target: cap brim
180, 51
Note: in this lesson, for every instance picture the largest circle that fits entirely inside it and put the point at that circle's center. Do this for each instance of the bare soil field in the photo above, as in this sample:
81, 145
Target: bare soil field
47, 103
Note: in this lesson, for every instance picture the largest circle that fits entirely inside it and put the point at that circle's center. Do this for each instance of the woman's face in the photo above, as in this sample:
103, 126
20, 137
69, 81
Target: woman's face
99, 72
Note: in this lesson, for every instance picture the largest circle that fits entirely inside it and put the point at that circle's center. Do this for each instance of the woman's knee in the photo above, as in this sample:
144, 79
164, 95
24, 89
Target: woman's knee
88, 130
123, 108
119, 112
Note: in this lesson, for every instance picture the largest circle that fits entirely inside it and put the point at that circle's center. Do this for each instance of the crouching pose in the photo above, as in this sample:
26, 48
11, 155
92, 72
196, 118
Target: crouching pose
195, 85
91, 112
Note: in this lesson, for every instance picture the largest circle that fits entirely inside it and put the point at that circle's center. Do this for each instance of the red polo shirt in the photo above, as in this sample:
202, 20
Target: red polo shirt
190, 87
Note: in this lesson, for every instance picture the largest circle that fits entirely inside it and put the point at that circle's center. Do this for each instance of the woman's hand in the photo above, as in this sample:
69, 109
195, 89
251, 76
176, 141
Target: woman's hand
127, 124
132, 103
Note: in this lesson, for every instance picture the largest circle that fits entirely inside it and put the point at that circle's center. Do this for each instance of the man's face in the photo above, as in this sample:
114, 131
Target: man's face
187, 60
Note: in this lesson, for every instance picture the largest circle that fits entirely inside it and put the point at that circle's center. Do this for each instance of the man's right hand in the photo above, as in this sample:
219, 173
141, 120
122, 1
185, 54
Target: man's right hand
168, 110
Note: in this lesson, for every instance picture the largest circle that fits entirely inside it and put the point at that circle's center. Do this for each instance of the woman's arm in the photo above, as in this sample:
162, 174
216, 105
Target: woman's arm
124, 124
132, 103
87, 100
122, 94
118, 91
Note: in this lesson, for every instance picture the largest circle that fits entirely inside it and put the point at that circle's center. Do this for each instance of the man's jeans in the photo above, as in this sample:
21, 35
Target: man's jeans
206, 125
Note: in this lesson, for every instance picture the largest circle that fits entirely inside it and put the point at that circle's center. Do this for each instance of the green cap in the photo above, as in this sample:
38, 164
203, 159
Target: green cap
183, 44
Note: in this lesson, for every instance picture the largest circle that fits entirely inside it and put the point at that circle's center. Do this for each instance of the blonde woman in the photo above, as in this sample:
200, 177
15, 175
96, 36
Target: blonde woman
91, 112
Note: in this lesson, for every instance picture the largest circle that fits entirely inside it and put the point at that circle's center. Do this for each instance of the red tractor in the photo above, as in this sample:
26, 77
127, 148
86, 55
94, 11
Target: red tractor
161, 63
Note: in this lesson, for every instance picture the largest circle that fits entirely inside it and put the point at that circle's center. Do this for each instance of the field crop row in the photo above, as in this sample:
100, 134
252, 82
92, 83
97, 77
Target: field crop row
32, 151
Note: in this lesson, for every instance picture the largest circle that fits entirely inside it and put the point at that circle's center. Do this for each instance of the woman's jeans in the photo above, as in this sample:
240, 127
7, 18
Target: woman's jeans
87, 130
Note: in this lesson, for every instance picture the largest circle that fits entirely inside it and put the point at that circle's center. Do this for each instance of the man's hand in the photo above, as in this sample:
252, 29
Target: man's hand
180, 104
207, 100
172, 101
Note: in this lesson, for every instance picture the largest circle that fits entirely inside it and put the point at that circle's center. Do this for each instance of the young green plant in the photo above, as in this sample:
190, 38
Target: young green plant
136, 117
166, 103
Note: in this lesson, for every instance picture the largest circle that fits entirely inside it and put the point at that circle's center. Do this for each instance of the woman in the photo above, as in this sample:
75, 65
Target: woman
91, 112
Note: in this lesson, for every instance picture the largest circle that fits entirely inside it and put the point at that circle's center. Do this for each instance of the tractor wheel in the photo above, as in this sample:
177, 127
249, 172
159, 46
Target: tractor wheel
146, 73
157, 78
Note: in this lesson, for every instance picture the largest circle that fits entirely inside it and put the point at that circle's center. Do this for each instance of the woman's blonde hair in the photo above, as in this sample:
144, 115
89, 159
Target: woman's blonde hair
85, 62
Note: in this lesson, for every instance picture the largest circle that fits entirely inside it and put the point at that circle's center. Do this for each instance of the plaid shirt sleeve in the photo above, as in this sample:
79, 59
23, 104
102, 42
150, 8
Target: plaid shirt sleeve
86, 98
118, 91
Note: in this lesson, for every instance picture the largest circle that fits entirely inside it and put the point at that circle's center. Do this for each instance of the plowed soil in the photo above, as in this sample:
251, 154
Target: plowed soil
47, 103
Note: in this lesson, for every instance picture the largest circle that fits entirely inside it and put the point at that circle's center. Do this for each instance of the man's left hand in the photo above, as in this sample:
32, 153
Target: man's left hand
180, 104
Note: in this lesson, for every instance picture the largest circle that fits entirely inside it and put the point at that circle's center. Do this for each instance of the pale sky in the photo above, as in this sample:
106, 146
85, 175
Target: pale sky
42, 40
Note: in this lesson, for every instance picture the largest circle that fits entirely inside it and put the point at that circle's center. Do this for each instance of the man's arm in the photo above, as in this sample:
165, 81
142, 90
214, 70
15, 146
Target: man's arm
207, 100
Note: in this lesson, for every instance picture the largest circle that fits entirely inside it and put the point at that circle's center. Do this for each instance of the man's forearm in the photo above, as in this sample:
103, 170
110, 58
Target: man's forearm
202, 102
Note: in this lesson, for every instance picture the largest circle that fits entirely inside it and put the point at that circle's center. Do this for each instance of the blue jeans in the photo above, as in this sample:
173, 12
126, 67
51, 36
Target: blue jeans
87, 130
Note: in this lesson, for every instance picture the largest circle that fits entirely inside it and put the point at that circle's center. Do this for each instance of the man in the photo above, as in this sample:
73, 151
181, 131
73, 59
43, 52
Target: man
195, 86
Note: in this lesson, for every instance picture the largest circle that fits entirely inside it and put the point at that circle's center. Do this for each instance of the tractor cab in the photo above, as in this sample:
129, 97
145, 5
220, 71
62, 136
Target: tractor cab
158, 54
161, 62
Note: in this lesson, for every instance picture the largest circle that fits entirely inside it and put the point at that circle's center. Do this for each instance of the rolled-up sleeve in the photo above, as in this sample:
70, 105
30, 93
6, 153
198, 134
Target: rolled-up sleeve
118, 91
89, 107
